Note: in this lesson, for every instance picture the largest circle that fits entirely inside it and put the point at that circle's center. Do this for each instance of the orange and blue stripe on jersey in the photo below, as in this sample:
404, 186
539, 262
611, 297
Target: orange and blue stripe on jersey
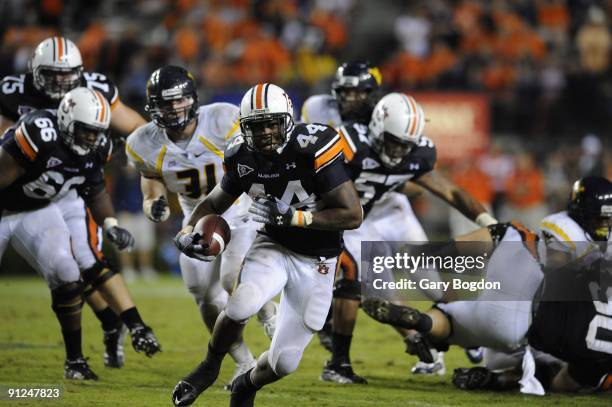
25, 143
328, 153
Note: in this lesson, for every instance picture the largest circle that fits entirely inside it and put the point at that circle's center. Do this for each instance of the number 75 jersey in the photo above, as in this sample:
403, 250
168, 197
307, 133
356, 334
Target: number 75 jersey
193, 171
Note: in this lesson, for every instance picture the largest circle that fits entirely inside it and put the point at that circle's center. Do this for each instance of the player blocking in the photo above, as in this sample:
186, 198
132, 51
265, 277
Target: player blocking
41, 159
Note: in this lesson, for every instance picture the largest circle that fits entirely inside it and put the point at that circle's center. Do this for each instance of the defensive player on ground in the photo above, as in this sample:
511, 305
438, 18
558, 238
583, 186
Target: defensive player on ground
43, 158
381, 158
301, 191
56, 68
575, 331
181, 151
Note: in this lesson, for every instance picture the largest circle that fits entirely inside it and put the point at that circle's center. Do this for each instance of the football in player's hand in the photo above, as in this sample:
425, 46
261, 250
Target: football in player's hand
215, 232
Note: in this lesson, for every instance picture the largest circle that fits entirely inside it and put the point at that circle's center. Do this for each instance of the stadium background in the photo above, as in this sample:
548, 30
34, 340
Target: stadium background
518, 93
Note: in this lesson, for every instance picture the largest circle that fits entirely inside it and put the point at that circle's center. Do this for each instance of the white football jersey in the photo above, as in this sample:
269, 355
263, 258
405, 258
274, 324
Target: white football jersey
562, 233
321, 109
194, 171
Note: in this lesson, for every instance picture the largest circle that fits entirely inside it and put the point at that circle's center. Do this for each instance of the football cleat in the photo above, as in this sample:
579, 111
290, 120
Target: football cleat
388, 313
184, 394
341, 373
78, 369
475, 355
241, 368
417, 344
473, 378
430, 369
144, 340
114, 355
269, 324
243, 392
201, 378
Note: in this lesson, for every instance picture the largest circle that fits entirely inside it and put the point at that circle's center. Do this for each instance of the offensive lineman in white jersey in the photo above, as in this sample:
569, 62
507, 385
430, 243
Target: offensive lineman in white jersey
181, 151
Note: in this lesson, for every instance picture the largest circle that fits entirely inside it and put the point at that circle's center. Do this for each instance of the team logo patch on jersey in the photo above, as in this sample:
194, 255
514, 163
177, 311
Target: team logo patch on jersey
53, 162
244, 170
369, 163
322, 268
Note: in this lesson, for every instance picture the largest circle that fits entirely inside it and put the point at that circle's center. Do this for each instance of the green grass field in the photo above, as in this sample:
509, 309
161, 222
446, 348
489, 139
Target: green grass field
31, 354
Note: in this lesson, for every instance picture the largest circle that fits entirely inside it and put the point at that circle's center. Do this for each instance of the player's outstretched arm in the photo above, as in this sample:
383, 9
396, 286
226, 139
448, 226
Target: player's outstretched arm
457, 197
10, 170
124, 120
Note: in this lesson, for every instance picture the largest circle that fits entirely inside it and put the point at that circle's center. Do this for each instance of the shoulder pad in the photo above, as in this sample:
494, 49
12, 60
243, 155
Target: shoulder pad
318, 142
138, 147
321, 109
11, 89
224, 123
426, 153
36, 134
236, 144
355, 137
563, 229
101, 83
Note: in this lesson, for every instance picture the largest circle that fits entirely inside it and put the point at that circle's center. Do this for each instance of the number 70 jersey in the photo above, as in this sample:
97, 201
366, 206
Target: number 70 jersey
193, 171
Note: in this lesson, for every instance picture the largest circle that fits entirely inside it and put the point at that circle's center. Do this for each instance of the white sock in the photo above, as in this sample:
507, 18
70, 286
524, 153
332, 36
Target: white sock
241, 353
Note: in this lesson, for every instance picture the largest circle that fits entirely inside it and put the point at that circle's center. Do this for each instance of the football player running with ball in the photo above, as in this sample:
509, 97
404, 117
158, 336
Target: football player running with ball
42, 159
302, 193
181, 151
56, 68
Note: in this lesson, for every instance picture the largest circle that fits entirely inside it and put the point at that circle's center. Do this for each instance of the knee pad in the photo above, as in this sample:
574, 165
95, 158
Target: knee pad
348, 289
244, 302
67, 299
285, 361
316, 308
97, 275
216, 300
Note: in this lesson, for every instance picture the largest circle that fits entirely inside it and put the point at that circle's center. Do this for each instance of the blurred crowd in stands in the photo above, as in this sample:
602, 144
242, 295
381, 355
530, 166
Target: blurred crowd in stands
544, 65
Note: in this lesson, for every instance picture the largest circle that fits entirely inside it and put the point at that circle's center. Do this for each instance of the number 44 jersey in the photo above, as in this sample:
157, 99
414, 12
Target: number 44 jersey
51, 168
192, 170
310, 165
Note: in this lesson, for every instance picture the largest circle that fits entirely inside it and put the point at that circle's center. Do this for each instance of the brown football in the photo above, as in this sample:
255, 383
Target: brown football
215, 232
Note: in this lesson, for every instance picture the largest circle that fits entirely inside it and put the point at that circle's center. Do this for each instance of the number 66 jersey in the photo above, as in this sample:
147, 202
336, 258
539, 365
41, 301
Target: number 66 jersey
51, 168
191, 170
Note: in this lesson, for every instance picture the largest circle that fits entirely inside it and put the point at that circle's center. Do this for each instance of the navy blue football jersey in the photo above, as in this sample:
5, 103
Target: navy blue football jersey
310, 165
372, 179
575, 330
19, 96
51, 167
